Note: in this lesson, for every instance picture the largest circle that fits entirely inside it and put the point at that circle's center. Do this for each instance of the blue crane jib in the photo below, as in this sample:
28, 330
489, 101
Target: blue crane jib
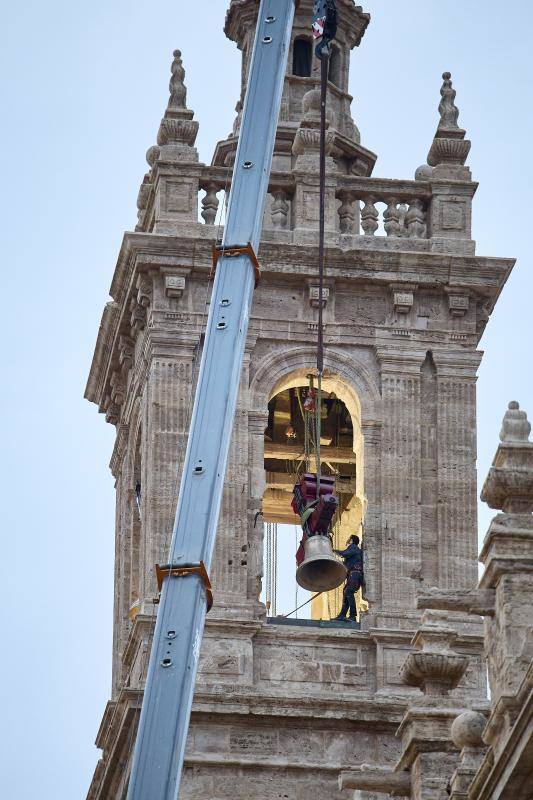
164, 721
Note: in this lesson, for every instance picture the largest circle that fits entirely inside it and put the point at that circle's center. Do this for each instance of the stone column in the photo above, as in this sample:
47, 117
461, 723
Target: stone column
373, 533
400, 475
230, 563
456, 478
257, 422
166, 415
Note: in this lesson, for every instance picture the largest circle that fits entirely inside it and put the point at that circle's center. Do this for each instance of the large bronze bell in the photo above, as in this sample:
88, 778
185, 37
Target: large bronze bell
320, 570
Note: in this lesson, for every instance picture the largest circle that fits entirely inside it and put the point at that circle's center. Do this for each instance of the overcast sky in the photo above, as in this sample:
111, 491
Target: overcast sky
84, 86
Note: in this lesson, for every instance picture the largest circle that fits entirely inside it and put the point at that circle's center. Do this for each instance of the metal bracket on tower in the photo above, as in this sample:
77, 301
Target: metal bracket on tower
181, 571
229, 251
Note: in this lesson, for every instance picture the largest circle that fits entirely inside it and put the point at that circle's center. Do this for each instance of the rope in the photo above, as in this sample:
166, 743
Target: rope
267, 570
296, 582
303, 604
274, 569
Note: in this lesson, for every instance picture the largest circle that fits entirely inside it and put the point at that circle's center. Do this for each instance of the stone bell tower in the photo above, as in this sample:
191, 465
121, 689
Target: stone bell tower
281, 710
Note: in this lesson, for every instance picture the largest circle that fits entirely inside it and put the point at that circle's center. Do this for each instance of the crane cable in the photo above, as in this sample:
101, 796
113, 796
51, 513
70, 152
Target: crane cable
324, 61
324, 24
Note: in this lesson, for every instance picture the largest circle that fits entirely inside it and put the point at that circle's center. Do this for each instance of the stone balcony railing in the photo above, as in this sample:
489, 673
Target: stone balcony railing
404, 211
361, 212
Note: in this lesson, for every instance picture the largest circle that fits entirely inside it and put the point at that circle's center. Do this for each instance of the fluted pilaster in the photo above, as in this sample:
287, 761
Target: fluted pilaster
401, 484
457, 506
166, 419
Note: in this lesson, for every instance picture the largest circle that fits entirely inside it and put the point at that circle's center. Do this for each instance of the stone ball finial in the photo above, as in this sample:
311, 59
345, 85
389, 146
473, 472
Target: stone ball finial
515, 427
424, 173
467, 729
152, 154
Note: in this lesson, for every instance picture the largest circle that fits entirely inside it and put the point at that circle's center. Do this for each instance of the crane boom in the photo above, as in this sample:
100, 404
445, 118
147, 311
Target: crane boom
164, 721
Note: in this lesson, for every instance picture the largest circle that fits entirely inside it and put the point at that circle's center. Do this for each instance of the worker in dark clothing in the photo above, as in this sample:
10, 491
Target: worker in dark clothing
353, 561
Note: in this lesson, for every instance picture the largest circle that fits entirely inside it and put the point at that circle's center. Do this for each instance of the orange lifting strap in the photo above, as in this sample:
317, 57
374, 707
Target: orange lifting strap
231, 251
181, 572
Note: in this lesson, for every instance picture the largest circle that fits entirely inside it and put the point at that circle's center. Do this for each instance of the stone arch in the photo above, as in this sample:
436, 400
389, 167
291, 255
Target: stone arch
272, 370
353, 381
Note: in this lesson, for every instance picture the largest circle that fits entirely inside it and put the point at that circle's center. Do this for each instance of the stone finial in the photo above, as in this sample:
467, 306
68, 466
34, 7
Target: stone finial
509, 484
515, 426
178, 130
177, 88
449, 113
450, 149
467, 729
467, 732
307, 140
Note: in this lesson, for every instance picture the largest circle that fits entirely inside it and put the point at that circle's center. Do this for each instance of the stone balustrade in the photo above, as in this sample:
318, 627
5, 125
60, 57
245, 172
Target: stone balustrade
369, 207
403, 212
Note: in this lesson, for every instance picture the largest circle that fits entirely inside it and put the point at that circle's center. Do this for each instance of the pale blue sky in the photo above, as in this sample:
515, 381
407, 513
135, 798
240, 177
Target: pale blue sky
83, 89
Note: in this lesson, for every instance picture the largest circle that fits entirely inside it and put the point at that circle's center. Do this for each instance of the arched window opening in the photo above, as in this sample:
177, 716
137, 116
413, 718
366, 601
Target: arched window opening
302, 57
334, 71
284, 462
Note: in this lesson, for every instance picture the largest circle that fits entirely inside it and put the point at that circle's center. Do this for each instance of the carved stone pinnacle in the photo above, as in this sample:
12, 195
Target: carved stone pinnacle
515, 426
449, 113
177, 88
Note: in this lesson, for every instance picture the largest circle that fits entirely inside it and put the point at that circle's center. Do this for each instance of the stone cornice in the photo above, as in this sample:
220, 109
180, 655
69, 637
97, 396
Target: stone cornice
102, 352
486, 276
146, 254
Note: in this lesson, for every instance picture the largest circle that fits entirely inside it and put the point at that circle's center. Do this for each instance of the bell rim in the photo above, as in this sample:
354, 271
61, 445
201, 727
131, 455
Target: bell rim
327, 588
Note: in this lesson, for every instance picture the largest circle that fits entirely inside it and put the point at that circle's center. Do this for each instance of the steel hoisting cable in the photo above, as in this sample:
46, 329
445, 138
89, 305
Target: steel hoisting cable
324, 61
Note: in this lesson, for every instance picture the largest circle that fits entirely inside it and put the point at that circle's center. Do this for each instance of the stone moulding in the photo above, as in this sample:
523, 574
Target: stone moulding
473, 601
448, 151
374, 778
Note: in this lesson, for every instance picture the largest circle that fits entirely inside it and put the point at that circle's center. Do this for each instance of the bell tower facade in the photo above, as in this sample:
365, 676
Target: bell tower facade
281, 709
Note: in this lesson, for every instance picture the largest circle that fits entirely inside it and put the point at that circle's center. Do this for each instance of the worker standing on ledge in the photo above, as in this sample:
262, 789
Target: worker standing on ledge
353, 561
